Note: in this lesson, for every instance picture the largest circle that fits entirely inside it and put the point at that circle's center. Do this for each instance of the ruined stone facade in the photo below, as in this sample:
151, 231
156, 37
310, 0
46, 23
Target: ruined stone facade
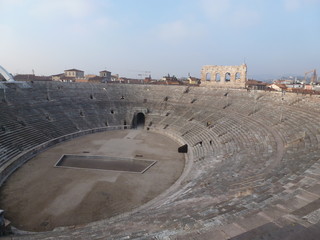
224, 76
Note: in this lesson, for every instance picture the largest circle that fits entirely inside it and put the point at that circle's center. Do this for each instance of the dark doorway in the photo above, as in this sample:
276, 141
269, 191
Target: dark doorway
183, 149
139, 120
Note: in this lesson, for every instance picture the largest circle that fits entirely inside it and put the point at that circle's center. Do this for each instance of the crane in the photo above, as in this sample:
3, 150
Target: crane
142, 73
314, 76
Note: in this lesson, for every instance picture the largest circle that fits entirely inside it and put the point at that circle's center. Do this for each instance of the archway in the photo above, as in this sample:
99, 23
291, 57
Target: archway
208, 77
138, 120
238, 76
217, 77
228, 77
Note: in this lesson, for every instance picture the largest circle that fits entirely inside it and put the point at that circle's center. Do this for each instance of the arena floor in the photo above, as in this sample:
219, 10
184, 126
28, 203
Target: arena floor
41, 197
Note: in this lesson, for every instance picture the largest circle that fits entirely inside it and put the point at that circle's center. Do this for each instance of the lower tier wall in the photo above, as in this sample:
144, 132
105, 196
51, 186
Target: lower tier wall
7, 169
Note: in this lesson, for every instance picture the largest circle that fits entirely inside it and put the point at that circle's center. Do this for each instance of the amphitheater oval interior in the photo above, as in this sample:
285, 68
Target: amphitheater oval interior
251, 171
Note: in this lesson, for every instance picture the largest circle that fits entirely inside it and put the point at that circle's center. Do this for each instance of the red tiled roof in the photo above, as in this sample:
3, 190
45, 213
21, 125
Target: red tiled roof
283, 86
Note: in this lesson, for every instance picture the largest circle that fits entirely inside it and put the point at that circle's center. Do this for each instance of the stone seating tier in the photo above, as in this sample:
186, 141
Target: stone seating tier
253, 155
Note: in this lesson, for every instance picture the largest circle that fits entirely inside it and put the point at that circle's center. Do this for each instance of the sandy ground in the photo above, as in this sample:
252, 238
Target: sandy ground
40, 197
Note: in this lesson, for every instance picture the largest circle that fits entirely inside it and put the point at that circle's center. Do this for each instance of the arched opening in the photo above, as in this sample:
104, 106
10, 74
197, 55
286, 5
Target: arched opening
138, 121
208, 77
218, 77
228, 77
238, 75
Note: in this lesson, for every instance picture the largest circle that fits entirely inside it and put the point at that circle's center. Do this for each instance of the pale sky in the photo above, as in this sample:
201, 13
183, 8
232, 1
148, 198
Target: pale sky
129, 37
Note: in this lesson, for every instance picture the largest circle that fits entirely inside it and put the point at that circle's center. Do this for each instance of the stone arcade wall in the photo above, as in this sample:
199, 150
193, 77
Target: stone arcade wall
224, 76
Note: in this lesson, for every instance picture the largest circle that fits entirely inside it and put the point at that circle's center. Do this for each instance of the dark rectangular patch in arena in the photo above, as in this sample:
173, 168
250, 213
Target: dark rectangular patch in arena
105, 163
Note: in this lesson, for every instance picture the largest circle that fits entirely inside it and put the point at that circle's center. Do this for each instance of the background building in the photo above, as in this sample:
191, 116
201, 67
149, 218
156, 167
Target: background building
106, 75
75, 73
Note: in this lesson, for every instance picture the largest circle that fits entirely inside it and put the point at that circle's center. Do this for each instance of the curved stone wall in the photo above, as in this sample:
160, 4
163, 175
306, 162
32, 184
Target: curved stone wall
254, 156
14, 163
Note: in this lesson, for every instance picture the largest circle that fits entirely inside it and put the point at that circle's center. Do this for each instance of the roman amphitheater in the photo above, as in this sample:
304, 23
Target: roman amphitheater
247, 166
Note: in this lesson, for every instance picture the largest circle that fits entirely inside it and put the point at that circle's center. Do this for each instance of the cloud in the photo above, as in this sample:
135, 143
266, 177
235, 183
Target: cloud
215, 8
10, 3
245, 18
72, 16
294, 5
7, 35
94, 26
173, 32
228, 13
97, 26
104, 21
71, 8
5, 29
